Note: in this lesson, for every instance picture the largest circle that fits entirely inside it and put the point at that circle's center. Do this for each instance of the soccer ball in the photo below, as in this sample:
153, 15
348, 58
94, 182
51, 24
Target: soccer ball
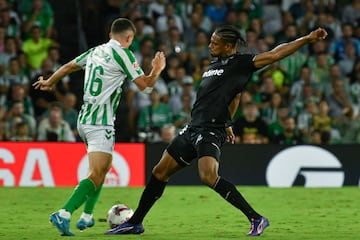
118, 214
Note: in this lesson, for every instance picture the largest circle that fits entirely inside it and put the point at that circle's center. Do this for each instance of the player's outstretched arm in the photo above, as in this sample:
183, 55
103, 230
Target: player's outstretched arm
286, 49
148, 81
49, 84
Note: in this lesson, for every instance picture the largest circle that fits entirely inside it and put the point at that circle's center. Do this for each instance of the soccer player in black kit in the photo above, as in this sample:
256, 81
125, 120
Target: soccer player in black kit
202, 139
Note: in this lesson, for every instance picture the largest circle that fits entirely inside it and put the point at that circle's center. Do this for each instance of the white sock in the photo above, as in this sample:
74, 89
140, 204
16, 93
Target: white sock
86, 216
65, 214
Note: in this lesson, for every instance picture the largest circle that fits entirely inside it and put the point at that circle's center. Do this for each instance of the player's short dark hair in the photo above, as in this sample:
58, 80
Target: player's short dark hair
120, 25
229, 34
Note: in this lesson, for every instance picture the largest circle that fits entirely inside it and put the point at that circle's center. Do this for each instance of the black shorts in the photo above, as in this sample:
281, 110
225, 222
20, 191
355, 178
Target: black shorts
195, 142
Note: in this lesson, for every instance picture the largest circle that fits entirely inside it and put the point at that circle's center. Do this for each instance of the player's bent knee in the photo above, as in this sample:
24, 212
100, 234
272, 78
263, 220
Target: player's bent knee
207, 179
159, 174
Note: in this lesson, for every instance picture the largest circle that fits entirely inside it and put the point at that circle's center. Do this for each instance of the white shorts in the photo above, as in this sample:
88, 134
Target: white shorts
97, 138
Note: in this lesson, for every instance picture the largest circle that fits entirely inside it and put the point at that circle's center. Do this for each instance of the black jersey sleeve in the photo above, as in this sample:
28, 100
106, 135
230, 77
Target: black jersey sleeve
247, 62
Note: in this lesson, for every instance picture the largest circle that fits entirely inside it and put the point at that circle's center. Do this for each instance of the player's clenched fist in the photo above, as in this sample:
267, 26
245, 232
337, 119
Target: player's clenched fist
318, 34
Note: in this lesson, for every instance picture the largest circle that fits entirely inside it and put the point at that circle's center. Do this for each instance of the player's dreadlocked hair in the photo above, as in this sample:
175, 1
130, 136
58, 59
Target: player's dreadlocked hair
230, 34
122, 24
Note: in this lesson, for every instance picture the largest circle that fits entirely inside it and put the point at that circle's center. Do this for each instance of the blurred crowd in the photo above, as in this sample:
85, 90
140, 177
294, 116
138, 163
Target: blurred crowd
310, 97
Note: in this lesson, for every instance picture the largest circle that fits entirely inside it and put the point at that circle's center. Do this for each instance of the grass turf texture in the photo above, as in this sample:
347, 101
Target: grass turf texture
193, 212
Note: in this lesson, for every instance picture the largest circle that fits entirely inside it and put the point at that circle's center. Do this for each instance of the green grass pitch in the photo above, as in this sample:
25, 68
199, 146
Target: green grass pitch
193, 212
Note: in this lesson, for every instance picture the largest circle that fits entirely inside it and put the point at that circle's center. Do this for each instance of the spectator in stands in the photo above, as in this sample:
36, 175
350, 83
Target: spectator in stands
232, 19
190, 32
305, 119
22, 133
251, 42
355, 86
184, 9
305, 78
9, 52
187, 87
205, 22
216, 10
12, 28
287, 21
173, 61
175, 86
146, 50
143, 31
42, 99
14, 13
250, 122
252, 7
351, 133
175, 43
309, 19
250, 138
37, 13
346, 64
70, 114
298, 9
54, 56
277, 127
155, 10
4, 89
23, 65
335, 73
257, 26
2, 39
269, 113
293, 63
322, 121
334, 23
298, 105
54, 128
271, 17
337, 48
262, 96
161, 26
326, 125
290, 136
243, 22
2, 123
200, 49
320, 69
246, 97
15, 76
279, 77
340, 107
15, 115
199, 71
152, 118
351, 12
167, 133
18, 94
184, 115
36, 48
315, 138
340, 97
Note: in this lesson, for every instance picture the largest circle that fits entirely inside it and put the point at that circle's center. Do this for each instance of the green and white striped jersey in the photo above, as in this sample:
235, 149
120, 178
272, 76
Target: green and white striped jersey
107, 66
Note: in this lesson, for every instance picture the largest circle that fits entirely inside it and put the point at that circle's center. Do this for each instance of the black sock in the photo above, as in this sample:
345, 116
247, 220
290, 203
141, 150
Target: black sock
152, 192
228, 191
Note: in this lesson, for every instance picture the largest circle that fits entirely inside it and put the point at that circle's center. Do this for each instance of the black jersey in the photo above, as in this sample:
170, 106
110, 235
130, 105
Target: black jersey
220, 83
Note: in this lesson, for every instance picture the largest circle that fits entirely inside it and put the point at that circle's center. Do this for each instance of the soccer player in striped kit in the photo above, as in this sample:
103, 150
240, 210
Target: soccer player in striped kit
106, 66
